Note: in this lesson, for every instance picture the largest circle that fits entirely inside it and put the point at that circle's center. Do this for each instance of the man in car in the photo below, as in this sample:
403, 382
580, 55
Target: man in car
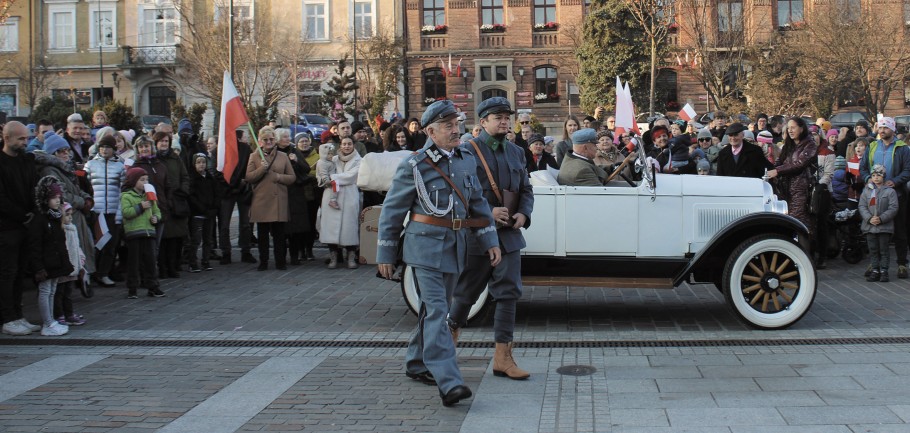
578, 167
741, 158
501, 168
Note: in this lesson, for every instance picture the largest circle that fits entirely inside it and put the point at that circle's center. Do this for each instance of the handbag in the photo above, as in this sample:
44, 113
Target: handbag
508, 199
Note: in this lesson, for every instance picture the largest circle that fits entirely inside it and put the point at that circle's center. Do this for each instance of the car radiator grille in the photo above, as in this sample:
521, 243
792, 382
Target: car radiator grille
711, 220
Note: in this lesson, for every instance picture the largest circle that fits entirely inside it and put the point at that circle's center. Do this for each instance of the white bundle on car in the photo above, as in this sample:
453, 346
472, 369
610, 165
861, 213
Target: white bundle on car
378, 169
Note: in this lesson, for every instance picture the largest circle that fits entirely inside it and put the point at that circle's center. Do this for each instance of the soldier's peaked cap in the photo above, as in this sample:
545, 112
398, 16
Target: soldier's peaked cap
438, 111
496, 104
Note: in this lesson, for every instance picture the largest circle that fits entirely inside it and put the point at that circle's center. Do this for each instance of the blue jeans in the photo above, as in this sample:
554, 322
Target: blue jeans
46, 291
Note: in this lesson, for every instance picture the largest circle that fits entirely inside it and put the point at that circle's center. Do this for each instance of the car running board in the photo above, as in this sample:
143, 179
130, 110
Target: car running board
608, 282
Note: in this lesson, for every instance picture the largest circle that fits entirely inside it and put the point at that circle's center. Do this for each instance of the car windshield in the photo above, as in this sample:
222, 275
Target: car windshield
155, 119
313, 118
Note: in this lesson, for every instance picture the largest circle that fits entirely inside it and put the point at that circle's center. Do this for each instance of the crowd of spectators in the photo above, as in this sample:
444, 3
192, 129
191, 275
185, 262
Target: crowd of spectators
134, 209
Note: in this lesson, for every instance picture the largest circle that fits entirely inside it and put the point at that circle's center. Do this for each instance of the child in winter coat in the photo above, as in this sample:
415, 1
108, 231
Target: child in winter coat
840, 183
63, 303
878, 207
324, 168
204, 205
48, 257
140, 215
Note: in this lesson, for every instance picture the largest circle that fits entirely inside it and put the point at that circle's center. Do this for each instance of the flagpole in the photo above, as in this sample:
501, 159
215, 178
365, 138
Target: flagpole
255, 140
231, 38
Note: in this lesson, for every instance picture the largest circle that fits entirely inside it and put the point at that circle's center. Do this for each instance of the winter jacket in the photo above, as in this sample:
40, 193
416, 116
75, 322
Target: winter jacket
751, 162
204, 198
341, 226
47, 246
794, 178
178, 193
270, 187
299, 220
106, 177
826, 159
840, 186
18, 177
885, 207
898, 172
74, 251
137, 222
49, 165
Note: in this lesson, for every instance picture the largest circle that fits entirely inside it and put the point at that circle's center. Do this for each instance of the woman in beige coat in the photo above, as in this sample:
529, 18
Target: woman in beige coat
270, 179
340, 228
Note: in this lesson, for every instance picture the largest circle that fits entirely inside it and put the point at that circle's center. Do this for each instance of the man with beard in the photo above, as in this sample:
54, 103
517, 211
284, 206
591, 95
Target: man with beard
894, 155
505, 183
18, 177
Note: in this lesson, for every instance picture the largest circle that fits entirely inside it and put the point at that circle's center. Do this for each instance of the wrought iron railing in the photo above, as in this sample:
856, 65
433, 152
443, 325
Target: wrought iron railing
150, 55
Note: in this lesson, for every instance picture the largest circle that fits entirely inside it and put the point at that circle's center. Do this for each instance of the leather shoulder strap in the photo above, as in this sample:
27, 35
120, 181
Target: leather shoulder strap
451, 184
486, 168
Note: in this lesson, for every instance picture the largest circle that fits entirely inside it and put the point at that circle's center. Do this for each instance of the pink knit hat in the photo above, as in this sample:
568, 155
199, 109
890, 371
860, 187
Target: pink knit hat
831, 132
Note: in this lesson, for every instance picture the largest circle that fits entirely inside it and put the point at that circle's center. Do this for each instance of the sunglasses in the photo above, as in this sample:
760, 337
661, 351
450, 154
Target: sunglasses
525, 122
704, 139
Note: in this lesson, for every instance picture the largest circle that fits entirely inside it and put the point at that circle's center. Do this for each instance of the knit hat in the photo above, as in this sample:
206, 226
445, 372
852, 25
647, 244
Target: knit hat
886, 122
749, 136
54, 142
200, 155
704, 133
132, 176
535, 138
604, 133
878, 169
300, 135
107, 141
703, 165
659, 130
826, 125
184, 126
813, 129
765, 137
128, 135
840, 163
67, 207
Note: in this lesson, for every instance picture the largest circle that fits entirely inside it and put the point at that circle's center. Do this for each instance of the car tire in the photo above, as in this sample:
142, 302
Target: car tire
770, 282
412, 297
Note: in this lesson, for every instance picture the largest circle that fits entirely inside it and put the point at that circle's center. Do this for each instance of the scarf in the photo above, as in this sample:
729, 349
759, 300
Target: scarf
54, 214
77, 258
346, 158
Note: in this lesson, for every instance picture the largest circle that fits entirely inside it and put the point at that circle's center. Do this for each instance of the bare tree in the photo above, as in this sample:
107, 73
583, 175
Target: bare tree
5, 6
655, 17
263, 52
722, 47
36, 80
380, 63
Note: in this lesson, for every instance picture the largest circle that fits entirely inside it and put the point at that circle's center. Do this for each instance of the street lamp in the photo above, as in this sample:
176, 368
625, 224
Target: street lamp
116, 78
464, 75
521, 75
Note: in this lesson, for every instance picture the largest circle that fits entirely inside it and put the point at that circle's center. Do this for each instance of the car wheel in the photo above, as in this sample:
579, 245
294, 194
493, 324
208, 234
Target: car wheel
769, 282
412, 297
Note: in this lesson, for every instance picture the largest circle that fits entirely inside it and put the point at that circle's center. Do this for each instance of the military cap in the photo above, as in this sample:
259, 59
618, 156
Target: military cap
496, 104
735, 128
438, 111
582, 136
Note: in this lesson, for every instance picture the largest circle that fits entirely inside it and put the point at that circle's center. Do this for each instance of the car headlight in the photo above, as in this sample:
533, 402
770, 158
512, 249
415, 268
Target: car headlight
772, 203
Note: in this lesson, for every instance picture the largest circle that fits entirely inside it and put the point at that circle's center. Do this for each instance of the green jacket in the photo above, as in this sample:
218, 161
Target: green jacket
137, 223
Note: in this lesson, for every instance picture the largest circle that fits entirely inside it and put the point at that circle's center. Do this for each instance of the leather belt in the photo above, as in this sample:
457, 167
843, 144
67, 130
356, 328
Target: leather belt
454, 224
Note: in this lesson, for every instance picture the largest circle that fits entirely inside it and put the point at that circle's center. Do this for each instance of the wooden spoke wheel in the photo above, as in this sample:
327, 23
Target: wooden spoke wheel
411, 294
769, 281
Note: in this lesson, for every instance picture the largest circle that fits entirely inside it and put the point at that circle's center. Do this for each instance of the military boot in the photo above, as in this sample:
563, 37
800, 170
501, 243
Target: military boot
352, 260
504, 365
333, 259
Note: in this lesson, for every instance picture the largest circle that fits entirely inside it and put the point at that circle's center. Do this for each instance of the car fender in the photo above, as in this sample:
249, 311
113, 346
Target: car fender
710, 260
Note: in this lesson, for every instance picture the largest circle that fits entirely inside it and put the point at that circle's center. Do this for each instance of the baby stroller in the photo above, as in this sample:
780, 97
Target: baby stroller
848, 240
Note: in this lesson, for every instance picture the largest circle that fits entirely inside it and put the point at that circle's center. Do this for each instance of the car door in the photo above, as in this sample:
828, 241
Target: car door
600, 221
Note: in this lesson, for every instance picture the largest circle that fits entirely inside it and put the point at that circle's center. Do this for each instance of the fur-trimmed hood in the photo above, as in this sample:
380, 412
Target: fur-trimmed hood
44, 191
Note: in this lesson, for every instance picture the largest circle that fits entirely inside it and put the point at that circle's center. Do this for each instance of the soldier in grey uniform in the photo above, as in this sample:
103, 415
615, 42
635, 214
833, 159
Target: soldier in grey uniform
507, 165
435, 241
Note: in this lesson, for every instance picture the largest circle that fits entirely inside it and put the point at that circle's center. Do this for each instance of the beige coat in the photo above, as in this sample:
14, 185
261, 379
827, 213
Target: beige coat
270, 187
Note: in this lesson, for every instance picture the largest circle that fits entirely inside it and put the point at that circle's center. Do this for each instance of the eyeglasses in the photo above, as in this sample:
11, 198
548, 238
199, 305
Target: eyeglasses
525, 122
704, 139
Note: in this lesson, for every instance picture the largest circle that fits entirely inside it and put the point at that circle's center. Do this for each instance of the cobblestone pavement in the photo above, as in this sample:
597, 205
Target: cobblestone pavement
311, 349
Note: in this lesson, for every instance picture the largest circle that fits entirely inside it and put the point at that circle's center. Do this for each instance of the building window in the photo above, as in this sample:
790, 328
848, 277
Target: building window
491, 12
544, 11
243, 17
546, 86
853, 9
907, 12
666, 89
434, 85
62, 27
789, 12
363, 18
494, 73
159, 27
103, 24
493, 93
316, 19
434, 12
9, 97
9, 35
907, 93
729, 16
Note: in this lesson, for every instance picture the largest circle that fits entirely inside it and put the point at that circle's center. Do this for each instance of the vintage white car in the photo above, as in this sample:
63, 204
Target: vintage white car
666, 230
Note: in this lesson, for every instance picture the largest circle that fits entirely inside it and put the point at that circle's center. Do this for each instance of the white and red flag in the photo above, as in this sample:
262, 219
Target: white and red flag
687, 113
232, 116
151, 194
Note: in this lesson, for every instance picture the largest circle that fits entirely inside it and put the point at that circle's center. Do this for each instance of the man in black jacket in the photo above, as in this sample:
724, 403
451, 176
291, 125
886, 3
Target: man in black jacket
18, 177
236, 193
741, 159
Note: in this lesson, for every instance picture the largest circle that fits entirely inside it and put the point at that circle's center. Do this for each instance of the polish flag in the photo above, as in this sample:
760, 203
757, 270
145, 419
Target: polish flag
628, 95
102, 232
232, 116
687, 113
151, 194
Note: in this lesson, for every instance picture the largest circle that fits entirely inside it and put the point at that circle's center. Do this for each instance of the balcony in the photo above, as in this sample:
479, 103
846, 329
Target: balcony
544, 39
150, 56
492, 40
432, 42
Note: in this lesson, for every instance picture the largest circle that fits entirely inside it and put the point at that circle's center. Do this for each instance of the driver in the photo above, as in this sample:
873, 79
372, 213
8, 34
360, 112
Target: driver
578, 168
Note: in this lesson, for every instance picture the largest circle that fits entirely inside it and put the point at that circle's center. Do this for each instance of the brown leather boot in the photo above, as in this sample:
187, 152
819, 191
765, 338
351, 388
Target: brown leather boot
333, 259
352, 260
504, 365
